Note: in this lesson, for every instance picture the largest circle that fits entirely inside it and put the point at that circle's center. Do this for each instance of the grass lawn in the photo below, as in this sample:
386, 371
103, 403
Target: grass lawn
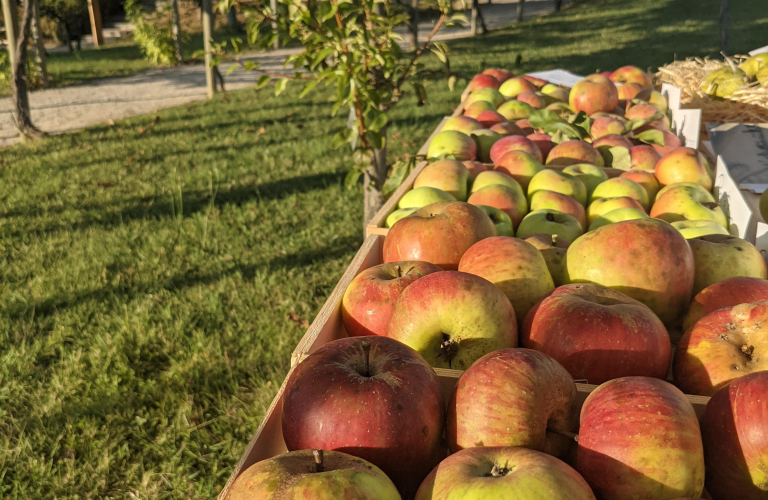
155, 275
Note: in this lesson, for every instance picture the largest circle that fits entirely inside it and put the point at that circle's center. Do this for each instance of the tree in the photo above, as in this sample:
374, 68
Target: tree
350, 47
21, 111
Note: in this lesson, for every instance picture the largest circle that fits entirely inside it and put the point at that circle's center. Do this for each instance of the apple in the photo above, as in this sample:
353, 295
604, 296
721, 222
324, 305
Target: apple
719, 257
686, 203
646, 179
501, 75
639, 439
552, 247
490, 118
503, 473
517, 268
485, 139
463, 124
550, 222
368, 302
559, 182
669, 142
654, 98
647, 259
606, 125
475, 168
684, 165
453, 319
509, 200
500, 219
593, 94
632, 74
556, 201
530, 98
491, 177
488, 94
506, 128
557, 93
695, 228
643, 157
519, 165
618, 215
612, 141
515, 110
754, 64
543, 142
399, 214
629, 91
538, 82
722, 346
525, 126
439, 233
620, 187
598, 334
312, 474
603, 206
452, 144
572, 152
514, 143
735, 442
481, 81
514, 86
688, 186
727, 293
590, 175
606, 146
374, 398
423, 196
644, 111
450, 176
512, 397
477, 108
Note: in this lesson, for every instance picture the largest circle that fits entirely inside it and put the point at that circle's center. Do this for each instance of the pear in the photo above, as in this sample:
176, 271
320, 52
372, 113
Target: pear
754, 64
723, 82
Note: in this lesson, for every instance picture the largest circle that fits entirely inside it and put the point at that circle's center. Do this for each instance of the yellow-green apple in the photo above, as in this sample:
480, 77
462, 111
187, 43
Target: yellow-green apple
619, 187
644, 157
506, 128
488, 94
538, 82
720, 256
555, 92
628, 91
559, 182
477, 108
606, 125
572, 152
516, 267
439, 233
399, 214
639, 440
684, 165
686, 203
689, 186
525, 126
733, 429
514, 143
722, 346
647, 259
520, 166
562, 203
515, 110
370, 298
316, 474
543, 142
423, 196
727, 293
491, 177
453, 319
485, 139
508, 199
602, 206
501, 221
753, 64
593, 94
632, 74
503, 473
590, 175
552, 247
452, 144
654, 98
606, 146
762, 76
514, 86
669, 142
618, 215
645, 111
530, 98
475, 168
349, 396
695, 228
513, 397
598, 334
450, 176
490, 118
463, 124
723, 82
646, 179
550, 222
480, 81
500, 74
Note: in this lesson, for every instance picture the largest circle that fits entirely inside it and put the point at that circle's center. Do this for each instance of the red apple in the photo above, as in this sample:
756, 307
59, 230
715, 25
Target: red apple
543, 142
598, 334
670, 142
644, 111
530, 98
606, 125
501, 75
632, 74
373, 398
646, 179
474, 167
629, 91
593, 94
727, 293
573, 152
481, 81
514, 143
541, 200
644, 157
520, 166
684, 165
536, 80
508, 199
513, 86
525, 126
506, 128
463, 124
490, 118
370, 299
477, 108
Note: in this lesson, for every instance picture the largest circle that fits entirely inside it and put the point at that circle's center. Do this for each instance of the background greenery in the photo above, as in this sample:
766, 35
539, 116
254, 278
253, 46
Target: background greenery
155, 275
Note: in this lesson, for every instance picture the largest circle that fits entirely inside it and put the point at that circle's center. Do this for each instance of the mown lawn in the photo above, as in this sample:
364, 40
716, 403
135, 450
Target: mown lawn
155, 275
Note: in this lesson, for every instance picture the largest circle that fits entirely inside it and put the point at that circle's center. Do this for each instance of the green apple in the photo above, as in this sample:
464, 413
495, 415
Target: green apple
618, 187
655, 99
695, 228
550, 222
686, 203
687, 185
600, 207
490, 177
754, 64
559, 182
590, 175
515, 110
485, 139
452, 144
512, 87
399, 214
762, 76
489, 94
463, 124
618, 215
500, 220
718, 257
450, 176
423, 196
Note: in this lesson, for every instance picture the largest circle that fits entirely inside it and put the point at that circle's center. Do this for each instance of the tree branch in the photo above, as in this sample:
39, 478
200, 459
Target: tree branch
421, 49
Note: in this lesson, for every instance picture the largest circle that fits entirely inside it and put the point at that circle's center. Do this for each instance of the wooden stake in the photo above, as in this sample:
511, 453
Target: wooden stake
725, 15
9, 16
210, 83
520, 5
176, 29
95, 12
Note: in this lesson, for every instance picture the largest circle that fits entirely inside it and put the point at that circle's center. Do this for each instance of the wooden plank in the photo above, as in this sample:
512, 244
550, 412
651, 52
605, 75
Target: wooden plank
10, 10
94, 12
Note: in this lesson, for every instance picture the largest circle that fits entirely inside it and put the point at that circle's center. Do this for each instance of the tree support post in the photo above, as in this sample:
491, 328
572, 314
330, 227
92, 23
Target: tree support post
176, 30
415, 24
520, 6
9, 16
725, 18
210, 83
94, 11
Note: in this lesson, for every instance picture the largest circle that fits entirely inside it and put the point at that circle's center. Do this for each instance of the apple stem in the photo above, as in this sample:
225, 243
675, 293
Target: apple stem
747, 351
568, 434
448, 348
318, 460
366, 354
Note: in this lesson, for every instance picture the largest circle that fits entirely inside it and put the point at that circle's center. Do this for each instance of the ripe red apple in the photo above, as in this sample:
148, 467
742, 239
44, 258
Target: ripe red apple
514, 143
606, 125
513, 86
501, 75
370, 299
644, 111
727, 293
629, 91
593, 94
684, 165
644, 157
541, 200
598, 334
481, 81
506, 128
520, 166
670, 142
612, 141
439, 233
539, 82
513, 397
721, 347
453, 319
373, 398
475, 109
463, 124
734, 428
632, 74
312, 474
490, 118
573, 152
510, 200
475, 168
639, 439
525, 126
533, 100
543, 142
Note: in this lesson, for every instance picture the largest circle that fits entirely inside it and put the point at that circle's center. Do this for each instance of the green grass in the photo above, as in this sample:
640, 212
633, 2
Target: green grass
156, 275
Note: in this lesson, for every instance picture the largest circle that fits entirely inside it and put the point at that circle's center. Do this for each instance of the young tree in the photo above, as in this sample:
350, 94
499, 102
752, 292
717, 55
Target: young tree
21, 111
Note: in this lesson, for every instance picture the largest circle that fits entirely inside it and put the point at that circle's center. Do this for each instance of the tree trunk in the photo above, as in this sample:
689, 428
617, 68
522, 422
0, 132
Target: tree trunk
373, 180
176, 30
11, 28
37, 38
21, 111
232, 19
558, 5
415, 24
725, 15
520, 6
273, 8
210, 82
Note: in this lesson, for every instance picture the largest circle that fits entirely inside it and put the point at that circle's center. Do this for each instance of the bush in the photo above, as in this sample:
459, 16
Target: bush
71, 16
154, 35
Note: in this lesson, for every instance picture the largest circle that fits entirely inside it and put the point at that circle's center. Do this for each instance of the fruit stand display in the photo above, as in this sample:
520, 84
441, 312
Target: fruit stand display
613, 349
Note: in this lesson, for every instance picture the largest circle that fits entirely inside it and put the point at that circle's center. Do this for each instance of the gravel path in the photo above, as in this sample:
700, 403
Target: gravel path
73, 108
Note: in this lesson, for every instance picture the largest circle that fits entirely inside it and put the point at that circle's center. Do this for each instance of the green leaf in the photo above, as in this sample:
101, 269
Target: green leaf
397, 175
232, 69
551, 123
351, 178
342, 138
651, 137
306, 90
263, 80
452, 82
321, 56
280, 86
582, 121
250, 65
617, 157
378, 122
421, 93
376, 140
